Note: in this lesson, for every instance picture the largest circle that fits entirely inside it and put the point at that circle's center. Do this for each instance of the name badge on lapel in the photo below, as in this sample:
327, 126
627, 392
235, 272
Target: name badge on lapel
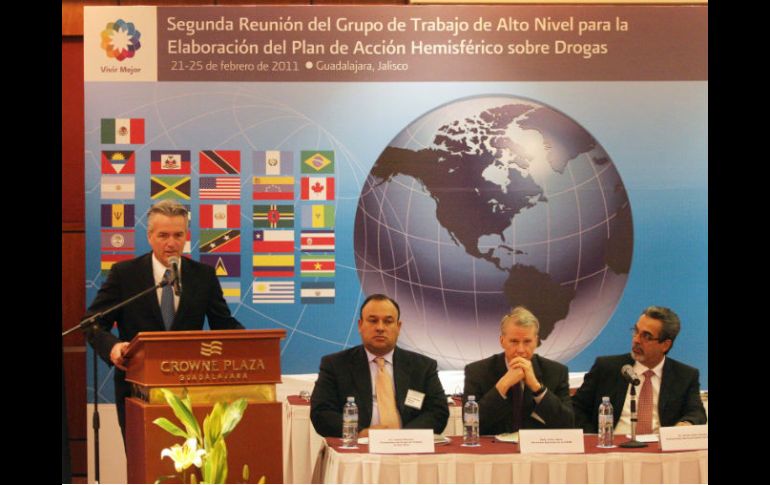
414, 399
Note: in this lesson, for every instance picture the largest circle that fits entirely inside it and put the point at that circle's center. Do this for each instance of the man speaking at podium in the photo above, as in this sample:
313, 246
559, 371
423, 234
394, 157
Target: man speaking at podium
180, 306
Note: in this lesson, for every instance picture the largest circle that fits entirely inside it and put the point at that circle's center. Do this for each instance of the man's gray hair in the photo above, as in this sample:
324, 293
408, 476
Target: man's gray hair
168, 208
669, 320
521, 317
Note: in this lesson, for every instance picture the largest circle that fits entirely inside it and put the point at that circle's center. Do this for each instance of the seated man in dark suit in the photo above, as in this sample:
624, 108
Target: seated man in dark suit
200, 296
673, 396
517, 388
393, 388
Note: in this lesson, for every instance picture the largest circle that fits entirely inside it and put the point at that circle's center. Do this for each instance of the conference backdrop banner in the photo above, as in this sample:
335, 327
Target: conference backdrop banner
463, 160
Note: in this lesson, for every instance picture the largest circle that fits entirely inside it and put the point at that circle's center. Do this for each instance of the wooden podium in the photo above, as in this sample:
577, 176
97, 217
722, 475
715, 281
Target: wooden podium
213, 366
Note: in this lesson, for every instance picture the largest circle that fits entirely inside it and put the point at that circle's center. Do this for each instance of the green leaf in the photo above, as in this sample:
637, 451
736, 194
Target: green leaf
232, 416
183, 411
171, 427
188, 404
208, 464
212, 425
215, 469
222, 474
206, 437
186, 399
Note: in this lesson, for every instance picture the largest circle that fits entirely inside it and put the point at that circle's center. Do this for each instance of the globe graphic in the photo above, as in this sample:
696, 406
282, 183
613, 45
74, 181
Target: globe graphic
487, 203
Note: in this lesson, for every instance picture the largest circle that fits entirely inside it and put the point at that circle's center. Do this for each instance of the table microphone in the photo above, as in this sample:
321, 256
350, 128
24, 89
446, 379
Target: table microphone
629, 375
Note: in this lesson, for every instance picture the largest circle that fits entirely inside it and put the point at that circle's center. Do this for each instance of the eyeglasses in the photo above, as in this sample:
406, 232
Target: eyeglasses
646, 336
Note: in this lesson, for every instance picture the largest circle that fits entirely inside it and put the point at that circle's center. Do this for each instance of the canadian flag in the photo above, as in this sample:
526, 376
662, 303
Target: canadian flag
317, 188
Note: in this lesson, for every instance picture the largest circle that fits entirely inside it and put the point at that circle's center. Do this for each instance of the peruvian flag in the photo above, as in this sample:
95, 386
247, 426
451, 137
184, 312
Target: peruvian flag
317, 188
220, 216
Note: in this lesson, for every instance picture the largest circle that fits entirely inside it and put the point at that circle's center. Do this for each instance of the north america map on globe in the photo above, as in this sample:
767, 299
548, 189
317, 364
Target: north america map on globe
488, 203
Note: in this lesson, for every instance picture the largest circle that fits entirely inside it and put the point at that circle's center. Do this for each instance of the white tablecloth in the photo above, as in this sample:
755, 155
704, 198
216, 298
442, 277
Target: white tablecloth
301, 443
617, 467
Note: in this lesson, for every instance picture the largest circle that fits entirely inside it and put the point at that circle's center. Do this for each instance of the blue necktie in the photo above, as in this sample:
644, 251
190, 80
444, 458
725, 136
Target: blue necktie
167, 302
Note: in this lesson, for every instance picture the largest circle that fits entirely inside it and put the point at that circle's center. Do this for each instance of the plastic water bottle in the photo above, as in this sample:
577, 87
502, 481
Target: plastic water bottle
350, 424
606, 427
471, 422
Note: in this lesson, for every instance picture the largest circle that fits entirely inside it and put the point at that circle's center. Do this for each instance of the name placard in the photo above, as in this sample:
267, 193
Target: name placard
392, 441
677, 438
551, 441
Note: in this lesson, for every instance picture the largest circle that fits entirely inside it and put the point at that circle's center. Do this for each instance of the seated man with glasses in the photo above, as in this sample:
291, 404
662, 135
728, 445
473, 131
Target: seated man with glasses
668, 392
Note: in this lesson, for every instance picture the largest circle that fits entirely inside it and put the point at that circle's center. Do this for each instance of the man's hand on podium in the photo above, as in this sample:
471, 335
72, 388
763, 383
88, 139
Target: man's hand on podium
117, 353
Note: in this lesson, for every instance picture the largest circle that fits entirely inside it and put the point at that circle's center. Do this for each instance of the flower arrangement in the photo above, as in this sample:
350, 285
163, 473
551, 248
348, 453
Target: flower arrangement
206, 448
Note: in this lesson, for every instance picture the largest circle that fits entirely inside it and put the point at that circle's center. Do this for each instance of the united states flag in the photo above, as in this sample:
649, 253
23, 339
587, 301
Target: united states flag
220, 188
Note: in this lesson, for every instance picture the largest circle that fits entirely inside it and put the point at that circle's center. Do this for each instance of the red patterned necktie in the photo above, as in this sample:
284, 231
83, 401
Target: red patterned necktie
644, 416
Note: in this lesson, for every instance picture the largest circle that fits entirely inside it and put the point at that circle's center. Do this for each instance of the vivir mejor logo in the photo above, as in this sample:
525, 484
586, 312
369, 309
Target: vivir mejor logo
120, 40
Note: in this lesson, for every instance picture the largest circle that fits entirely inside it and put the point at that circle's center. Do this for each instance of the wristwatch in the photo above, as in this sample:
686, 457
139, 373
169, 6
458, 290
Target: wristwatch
539, 391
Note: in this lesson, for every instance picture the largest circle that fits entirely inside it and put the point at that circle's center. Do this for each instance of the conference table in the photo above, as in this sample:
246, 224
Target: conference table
501, 462
301, 444
302, 447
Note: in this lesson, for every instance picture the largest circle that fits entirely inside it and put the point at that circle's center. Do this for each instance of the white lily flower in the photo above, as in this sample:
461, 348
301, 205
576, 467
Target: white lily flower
186, 455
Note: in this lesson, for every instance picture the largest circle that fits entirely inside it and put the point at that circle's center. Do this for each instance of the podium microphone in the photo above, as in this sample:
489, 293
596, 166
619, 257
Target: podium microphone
174, 261
628, 374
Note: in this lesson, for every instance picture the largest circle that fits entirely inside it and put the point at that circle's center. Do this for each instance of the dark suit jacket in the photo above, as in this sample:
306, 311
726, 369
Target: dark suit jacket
347, 373
201, 297
679, 398
496, 413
